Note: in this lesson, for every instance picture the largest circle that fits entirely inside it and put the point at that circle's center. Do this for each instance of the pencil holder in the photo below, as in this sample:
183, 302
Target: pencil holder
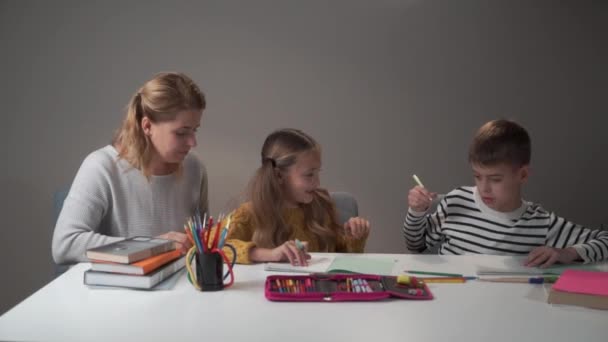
210, 269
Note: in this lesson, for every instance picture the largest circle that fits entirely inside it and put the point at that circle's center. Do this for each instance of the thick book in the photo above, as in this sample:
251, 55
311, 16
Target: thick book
131, 250
141, 267
582, 288
134, 281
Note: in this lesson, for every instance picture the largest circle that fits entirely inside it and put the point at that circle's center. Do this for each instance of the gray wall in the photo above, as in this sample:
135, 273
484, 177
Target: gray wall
389, 88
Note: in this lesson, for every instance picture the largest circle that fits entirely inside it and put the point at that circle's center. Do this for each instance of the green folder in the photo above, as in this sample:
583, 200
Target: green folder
360, 264
553, 270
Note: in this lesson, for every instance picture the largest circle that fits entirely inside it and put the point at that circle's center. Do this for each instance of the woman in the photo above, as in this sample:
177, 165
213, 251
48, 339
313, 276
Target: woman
147, 182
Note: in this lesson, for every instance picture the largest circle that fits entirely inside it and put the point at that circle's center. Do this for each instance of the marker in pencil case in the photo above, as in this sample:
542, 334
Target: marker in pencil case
367, 286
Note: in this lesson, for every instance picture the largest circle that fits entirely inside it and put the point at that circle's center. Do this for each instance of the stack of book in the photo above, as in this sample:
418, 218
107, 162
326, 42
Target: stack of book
138, 262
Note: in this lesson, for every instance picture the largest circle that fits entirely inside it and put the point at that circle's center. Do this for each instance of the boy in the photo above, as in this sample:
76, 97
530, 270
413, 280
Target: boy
491, 218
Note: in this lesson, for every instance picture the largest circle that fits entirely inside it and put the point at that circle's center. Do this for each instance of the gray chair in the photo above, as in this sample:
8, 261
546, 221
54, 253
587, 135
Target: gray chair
346, 205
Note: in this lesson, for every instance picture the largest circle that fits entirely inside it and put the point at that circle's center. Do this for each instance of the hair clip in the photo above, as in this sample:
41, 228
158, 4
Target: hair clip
272, 161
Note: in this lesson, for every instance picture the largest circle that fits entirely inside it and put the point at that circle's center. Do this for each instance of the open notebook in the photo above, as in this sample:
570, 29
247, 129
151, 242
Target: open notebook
338, 264
317, 264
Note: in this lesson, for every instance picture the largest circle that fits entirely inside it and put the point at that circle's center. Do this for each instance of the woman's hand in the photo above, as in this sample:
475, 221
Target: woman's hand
181, 240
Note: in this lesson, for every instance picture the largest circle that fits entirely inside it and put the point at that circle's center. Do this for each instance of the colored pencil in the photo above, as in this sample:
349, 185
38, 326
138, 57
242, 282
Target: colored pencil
443, 280
440, 274
525, 280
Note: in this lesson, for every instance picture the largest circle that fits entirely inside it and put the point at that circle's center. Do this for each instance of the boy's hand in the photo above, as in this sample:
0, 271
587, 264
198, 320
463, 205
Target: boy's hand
419, 198
356, 227
545, 256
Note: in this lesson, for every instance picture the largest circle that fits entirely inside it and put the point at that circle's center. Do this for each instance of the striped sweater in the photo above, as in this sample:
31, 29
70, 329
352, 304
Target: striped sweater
463, 224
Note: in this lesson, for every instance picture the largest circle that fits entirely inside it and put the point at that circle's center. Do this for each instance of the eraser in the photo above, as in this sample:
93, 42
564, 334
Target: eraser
403, 280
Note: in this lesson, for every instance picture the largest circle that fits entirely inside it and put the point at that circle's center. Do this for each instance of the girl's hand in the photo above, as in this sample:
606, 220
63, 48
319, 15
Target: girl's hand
419, 198
289, 251
181, 240
357, 227
545, 256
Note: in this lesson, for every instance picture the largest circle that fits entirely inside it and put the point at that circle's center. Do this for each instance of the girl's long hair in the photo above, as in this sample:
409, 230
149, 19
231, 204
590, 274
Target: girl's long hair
280, 151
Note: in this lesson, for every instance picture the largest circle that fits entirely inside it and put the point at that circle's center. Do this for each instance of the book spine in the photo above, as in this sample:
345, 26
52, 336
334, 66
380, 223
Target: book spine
167, 247
153, 251
168, 271
116, 268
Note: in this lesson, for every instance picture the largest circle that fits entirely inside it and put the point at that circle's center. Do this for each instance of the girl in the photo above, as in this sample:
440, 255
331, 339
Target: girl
286, 204
147, 182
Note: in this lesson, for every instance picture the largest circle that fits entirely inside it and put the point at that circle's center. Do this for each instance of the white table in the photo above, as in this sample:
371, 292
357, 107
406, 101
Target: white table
66, 310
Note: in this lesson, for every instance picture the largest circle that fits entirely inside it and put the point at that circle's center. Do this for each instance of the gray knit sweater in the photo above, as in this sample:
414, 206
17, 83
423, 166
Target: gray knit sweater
110, 200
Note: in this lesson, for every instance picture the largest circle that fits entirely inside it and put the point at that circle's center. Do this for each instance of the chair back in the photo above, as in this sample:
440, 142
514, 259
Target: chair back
346, 205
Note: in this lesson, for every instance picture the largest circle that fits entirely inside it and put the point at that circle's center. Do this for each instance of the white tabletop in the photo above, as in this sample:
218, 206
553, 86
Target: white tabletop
67, 310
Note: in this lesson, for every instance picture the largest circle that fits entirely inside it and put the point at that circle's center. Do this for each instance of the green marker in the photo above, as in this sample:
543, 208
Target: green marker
418, 181
299, 245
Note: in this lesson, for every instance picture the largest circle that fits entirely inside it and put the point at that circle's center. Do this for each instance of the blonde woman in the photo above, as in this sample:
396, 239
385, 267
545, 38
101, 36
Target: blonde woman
147, 182
286, 204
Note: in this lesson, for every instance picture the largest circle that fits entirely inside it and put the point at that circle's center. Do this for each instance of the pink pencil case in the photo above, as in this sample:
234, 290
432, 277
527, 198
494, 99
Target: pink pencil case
342, 287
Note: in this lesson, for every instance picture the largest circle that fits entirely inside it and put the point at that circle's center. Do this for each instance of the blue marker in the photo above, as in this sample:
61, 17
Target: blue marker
299, 245
224, 232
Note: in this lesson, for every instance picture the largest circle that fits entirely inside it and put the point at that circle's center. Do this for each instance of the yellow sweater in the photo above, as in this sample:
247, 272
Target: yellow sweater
242, 228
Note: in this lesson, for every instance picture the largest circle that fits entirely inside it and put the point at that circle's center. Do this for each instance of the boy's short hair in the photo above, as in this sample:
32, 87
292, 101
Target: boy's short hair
501, 141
